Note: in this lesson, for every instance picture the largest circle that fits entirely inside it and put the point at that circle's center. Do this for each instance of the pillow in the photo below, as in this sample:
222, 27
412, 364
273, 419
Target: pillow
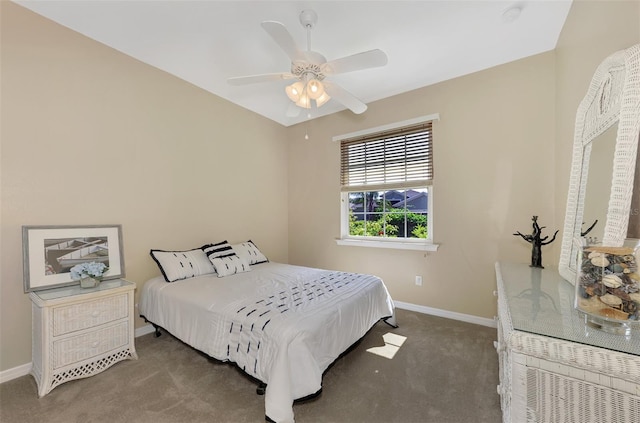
249, 251
176, 265
216, 250
230, 264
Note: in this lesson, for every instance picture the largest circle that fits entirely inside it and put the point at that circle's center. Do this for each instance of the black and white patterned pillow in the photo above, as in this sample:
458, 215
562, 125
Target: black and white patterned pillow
218, 249
176, 265
249, 252
230, 264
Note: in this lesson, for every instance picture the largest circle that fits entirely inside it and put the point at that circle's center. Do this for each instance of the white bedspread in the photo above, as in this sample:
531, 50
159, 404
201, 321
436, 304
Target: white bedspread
281, 324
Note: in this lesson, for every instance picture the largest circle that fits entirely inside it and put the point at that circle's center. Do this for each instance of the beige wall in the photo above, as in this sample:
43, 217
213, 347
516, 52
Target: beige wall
91, 136
493, 161
502, 154
175, 171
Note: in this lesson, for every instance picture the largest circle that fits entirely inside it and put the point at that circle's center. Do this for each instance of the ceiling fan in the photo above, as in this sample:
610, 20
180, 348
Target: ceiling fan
310, 68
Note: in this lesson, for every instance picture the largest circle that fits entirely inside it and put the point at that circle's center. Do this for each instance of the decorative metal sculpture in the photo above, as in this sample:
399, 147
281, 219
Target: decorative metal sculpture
537, 241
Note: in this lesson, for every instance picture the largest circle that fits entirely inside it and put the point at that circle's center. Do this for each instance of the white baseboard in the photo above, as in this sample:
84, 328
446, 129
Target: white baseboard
144, 330
15, 372
483, 321
24, 369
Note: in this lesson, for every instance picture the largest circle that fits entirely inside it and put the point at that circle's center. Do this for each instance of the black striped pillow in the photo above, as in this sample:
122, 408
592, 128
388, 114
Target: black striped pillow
216, 250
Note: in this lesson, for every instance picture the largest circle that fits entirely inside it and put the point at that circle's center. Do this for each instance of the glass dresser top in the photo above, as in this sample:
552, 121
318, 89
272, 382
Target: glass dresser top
67, 291
540, 301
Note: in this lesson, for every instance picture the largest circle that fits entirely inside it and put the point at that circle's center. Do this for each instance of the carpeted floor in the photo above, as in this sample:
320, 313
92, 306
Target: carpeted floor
446, 371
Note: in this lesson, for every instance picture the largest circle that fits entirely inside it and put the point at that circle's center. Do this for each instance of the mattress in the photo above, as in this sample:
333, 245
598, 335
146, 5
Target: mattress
281, 324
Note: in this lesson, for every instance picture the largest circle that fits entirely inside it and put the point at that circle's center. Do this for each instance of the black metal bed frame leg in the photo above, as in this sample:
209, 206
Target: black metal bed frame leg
262, 387
391, 321
155, 327
157, 330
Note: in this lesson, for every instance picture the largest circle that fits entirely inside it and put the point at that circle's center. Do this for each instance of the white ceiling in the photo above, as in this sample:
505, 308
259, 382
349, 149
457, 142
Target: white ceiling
206, 42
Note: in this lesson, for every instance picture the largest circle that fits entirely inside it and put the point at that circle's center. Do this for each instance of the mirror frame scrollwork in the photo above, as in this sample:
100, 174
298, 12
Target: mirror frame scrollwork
613, 96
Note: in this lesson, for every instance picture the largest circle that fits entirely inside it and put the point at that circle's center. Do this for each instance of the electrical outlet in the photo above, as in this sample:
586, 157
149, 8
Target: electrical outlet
419, 280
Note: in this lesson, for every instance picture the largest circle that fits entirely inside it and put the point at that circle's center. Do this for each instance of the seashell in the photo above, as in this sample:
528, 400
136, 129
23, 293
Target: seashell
594, 254
629, 307
611, 300
618, 251
612, 281
620, 293
613, 313
635, 297
617, 268
600, 261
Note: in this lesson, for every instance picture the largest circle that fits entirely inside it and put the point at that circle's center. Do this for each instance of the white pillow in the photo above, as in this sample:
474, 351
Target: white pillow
230, 265
176, 265
249, 251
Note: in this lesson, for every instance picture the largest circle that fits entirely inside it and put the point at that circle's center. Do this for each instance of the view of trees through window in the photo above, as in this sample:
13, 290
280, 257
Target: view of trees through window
392, 213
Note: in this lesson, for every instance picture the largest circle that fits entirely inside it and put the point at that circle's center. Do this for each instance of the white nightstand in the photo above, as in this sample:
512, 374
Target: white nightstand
80, 332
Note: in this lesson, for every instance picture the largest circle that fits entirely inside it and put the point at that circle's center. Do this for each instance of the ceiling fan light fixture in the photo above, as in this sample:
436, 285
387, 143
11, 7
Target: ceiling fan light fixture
315, 89
304, 102
322, 99
294, 91
309, 69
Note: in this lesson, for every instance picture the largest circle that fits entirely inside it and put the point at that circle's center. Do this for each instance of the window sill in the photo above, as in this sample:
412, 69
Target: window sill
395, 245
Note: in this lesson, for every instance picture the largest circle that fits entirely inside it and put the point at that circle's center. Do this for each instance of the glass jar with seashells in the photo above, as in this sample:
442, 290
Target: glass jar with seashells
608, 287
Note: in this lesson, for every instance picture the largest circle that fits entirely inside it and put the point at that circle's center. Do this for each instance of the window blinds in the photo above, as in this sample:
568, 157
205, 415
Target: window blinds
400, 158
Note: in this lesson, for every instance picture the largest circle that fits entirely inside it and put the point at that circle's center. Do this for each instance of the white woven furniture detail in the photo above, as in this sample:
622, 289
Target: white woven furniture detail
551, 379
88, 345
611, 364
556, 398
89, 369
613, 96
81, 332
85, 315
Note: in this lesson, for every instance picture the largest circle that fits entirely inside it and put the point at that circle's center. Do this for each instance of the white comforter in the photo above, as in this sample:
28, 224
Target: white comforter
281, 324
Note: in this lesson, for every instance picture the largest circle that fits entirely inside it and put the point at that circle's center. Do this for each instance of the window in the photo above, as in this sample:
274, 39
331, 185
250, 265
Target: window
386, 180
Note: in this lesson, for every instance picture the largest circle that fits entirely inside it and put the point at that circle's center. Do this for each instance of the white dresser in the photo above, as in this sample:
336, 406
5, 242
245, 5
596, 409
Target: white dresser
554, 368
79, 332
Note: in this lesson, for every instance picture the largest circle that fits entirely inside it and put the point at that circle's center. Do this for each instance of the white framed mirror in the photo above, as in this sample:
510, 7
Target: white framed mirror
613, 98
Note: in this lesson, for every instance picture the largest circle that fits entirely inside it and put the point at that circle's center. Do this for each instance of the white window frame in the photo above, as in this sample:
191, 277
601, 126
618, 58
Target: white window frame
420, 244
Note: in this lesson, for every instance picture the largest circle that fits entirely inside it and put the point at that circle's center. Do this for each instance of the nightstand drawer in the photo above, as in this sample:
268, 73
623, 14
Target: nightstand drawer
77, 348
76, 317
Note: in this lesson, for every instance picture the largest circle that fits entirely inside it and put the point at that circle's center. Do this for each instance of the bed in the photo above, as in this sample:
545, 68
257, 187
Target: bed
281, 324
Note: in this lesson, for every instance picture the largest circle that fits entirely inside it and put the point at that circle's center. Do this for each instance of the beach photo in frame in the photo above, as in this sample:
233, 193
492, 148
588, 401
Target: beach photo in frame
49, 252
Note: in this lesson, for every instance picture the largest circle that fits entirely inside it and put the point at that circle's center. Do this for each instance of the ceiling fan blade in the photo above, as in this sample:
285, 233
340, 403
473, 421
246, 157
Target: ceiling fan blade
355, 62
344, 97
283, 38
254, 79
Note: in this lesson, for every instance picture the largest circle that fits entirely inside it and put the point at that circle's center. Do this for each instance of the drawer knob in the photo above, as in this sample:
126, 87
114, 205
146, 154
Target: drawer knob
94, 344
495, 293
95, 314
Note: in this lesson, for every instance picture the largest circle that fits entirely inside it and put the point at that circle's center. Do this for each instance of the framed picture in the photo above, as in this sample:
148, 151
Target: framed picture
49, 252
